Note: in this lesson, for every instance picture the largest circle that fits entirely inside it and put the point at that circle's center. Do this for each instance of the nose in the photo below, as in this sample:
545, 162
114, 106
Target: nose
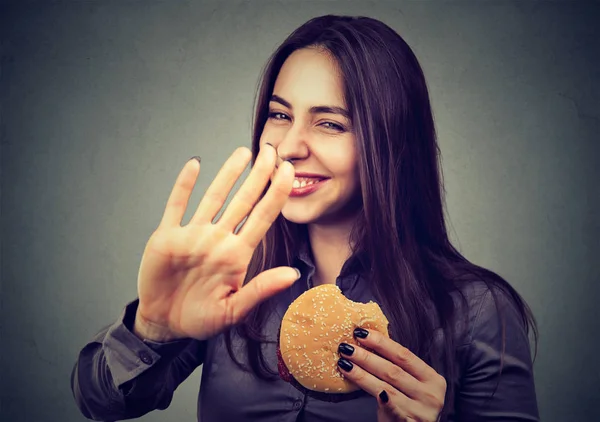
293, 146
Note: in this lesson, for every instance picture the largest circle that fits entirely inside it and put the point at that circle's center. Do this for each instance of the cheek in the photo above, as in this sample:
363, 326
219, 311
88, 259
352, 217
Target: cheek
272, 134
265, 136
349, 175
344, 164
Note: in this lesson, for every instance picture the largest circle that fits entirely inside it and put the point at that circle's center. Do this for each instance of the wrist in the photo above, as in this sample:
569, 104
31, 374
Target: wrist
147, 330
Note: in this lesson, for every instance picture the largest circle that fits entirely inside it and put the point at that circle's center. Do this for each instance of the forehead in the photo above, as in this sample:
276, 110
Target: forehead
309, 77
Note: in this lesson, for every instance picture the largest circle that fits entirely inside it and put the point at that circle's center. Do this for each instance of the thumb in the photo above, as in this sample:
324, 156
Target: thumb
261, 287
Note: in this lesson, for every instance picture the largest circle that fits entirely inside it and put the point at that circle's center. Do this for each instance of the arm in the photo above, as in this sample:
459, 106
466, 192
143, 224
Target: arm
119, 376
514, 397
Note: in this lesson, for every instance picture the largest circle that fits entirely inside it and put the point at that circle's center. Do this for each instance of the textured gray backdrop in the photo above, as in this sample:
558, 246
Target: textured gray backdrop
103, 102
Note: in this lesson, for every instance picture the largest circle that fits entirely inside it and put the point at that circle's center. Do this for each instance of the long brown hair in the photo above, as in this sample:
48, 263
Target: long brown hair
401, 228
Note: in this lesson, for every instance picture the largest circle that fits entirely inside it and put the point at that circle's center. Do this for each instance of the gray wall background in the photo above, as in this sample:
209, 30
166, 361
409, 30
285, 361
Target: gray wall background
103, 102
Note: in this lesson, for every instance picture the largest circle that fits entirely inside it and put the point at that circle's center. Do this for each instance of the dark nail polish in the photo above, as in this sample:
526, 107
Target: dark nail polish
383, 396
360, 333
345, 364
345, 349
195, 157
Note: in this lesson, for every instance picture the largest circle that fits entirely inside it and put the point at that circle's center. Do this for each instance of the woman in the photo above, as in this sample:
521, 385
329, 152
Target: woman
345, 189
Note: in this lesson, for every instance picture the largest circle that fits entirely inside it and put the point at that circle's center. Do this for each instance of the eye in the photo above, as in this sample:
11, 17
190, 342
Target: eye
334, 126
277, 116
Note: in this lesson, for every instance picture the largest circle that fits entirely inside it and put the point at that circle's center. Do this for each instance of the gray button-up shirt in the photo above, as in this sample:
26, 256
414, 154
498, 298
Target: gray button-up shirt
119, 376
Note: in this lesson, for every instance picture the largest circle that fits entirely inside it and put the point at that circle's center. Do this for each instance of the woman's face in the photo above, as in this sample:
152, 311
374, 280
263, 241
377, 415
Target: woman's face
309, 123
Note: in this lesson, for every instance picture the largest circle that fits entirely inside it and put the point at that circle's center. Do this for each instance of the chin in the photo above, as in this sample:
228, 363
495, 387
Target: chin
303, 214
324, 210
297, 216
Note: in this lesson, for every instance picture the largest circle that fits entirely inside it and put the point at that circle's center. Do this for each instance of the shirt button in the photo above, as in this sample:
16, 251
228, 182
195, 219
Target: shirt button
146, 358
297, 404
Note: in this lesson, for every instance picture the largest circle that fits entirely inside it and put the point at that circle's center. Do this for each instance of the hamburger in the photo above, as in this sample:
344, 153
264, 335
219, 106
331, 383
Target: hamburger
311, 330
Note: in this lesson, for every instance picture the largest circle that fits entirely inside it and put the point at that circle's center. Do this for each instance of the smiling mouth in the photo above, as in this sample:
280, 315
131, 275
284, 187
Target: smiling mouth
300, 182
303, 186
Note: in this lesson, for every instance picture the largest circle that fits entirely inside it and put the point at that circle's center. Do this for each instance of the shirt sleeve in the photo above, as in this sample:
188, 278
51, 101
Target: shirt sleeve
119, 376
485, 394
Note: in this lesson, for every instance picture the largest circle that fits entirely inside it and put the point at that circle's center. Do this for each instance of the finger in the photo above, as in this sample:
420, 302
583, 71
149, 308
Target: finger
374, 386
386, 411
397, 354
269, 207
383, 369
221, 186
180, 194
252, 188
261, 287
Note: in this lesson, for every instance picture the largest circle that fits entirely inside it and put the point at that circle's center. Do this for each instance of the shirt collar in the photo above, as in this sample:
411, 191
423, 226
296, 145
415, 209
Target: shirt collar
352, 269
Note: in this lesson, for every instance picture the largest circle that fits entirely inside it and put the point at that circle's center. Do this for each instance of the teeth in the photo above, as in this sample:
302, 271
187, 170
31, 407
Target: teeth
301, 182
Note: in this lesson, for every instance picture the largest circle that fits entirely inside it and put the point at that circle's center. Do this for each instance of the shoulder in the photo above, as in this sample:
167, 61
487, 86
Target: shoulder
494, 363
485, 309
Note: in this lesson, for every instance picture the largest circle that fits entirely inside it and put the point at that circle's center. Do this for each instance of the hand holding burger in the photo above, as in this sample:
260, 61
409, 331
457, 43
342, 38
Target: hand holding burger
334, 349
406, 388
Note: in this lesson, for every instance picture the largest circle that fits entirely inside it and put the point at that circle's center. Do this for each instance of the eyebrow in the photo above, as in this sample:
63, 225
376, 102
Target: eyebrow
314, 109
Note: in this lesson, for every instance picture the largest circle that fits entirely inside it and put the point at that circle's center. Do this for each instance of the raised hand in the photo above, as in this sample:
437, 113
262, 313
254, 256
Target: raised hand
190, 281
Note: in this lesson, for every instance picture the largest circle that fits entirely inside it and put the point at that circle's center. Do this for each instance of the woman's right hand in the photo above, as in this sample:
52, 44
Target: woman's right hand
190, 281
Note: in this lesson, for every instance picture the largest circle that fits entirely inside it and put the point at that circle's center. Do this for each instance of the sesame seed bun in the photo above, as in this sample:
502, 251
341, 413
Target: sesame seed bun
311, 331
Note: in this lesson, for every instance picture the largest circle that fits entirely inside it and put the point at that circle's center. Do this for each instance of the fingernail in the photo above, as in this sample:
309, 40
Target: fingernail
360, 333
197, 158
384, 397
345, 364
345, 349
299, 273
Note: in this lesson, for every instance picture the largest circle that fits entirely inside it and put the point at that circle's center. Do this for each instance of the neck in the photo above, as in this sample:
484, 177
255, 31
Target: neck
330, 246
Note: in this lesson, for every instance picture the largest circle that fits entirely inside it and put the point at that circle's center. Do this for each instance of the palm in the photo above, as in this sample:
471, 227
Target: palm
191, 277
195, 287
